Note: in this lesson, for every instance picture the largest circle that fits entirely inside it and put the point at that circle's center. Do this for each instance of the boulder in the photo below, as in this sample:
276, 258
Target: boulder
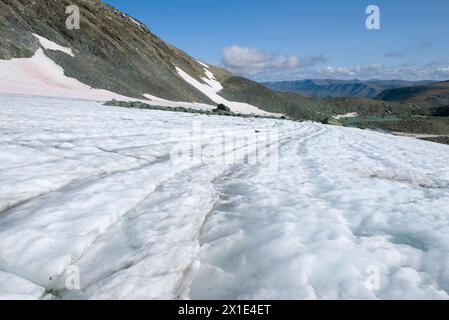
221, 107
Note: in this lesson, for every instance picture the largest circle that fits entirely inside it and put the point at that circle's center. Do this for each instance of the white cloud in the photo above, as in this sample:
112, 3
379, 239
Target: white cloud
381, 71
363, 72
251, 61
444, 70
442, 73
341, 71
265, 66
378, 71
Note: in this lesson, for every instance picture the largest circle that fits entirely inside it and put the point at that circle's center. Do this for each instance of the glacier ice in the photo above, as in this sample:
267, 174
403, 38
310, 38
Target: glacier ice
94, 187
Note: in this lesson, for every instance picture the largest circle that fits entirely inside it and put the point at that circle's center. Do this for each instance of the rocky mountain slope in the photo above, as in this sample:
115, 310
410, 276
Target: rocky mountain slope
113, 51
340, 88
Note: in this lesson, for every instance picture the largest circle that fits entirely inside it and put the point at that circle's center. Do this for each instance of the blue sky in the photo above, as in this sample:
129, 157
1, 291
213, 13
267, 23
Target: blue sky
295, 39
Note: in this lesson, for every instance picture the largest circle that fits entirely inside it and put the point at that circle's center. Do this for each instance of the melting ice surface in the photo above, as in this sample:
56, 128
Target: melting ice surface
348, 214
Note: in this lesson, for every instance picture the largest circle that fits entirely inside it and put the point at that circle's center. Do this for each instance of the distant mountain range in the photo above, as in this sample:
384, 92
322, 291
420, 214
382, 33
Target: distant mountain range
328, 89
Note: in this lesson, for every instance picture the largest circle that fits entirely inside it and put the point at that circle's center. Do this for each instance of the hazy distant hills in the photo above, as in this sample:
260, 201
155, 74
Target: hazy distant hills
328, 89
434, 94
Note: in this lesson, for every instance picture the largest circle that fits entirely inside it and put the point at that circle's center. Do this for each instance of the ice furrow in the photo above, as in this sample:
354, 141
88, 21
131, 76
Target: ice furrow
252, 251
155, 230
43, 221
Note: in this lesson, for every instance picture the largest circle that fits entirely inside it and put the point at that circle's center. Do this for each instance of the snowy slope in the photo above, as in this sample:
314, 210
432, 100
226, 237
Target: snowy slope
94, 187
41, 76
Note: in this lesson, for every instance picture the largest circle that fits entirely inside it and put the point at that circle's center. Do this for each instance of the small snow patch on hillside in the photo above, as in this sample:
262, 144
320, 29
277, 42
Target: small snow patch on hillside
137, 23
347, 115
169, 103
212, 87
50, 45
203, 64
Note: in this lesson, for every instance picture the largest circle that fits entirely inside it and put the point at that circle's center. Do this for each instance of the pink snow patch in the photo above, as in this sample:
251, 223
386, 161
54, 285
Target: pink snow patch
41, 76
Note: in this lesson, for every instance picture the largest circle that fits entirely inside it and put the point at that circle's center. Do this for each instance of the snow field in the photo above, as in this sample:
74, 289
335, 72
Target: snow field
95, 187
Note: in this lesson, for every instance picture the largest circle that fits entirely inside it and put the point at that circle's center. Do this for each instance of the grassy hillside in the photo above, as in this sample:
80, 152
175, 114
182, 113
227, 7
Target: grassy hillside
431, 95
244, 90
